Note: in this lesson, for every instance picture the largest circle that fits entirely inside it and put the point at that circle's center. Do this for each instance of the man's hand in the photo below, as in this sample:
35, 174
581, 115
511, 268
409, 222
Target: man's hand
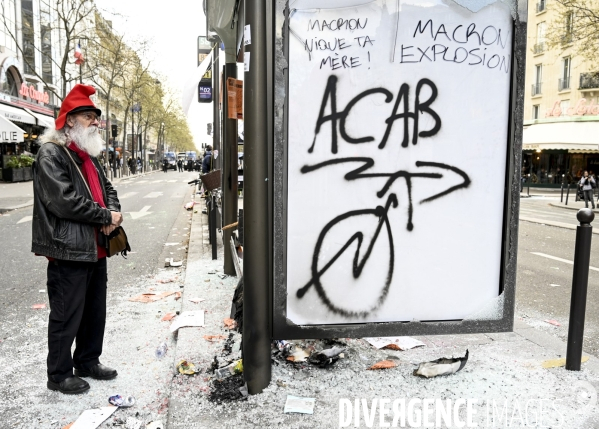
117, 219
107, 229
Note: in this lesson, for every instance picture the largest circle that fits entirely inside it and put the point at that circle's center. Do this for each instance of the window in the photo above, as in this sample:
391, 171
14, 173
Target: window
564, 81
568, 28
541, 6
8, 29
28, 36
535, 111
538, 78
540, 45
564, 105
46, 38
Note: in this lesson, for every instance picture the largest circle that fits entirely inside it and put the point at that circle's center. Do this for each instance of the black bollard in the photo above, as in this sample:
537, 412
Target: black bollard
580, 281
562, 199
567, 193
212, 226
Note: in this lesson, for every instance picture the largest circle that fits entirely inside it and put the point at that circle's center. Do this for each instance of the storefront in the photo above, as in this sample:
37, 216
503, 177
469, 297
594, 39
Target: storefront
560, 151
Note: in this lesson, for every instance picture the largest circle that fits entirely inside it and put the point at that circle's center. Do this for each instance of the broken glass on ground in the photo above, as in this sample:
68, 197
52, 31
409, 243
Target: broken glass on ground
297, 404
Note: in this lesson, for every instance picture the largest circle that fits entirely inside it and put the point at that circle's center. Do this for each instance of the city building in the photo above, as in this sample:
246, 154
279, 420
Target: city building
561, 107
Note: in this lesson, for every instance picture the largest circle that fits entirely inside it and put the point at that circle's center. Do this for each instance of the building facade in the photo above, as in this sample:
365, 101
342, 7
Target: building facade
561, 116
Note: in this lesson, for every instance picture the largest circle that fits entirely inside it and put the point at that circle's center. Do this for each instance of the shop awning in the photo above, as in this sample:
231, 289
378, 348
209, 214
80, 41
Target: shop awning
16, 114
571, 136
42, 120
9, 132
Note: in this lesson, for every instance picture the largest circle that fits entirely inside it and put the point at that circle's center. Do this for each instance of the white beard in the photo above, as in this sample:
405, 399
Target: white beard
88, 139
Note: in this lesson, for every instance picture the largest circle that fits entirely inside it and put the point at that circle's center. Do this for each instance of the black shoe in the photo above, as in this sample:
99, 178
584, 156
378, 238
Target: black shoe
69, 386
97, 372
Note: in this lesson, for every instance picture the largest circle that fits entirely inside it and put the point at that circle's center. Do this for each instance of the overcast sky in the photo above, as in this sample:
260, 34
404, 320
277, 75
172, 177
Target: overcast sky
173, 33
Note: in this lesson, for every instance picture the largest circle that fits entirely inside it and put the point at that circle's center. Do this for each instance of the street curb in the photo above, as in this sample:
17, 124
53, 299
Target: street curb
554, 224
20, 206
569, 208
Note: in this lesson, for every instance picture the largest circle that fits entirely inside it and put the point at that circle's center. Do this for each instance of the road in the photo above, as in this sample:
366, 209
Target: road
155, 223
544, 277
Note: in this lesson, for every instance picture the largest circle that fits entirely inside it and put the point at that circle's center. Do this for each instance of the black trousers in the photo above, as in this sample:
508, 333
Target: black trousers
589, 196
77, 292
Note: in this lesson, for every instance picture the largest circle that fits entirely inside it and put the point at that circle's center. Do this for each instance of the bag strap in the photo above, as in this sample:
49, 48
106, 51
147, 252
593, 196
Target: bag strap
77, 168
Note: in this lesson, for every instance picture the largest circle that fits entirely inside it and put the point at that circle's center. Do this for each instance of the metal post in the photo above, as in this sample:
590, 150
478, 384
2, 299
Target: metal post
567, 193
580, 281
213, 226
230, 171
256, 291
562, 199
528, 185
215, 108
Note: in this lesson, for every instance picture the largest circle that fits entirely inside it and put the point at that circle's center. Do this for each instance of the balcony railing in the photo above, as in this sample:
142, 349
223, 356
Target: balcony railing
539, 48
541, 6
536, 89
589, 80
563, 83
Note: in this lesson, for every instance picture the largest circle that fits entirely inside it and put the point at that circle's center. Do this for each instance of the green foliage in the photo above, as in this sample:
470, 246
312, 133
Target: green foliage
19, 161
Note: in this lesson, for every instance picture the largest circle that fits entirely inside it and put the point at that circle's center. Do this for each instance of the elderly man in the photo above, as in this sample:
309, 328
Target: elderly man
75, 206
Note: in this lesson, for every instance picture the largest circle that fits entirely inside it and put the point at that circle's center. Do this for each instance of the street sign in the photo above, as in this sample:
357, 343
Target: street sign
389, 133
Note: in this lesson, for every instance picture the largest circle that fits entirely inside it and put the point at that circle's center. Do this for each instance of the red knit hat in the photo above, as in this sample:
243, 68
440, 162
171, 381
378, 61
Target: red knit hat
76, 101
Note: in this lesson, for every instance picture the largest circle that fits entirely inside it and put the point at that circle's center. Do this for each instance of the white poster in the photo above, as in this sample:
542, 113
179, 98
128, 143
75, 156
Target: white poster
398, 120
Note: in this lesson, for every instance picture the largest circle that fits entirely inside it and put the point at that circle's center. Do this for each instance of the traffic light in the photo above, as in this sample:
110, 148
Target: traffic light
115, 130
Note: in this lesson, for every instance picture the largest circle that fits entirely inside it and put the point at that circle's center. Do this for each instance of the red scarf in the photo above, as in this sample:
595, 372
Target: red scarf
91, 176
90, 173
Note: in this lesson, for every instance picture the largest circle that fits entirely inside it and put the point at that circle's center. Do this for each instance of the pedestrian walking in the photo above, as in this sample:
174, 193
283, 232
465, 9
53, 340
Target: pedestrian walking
180, 165
207, 161
587, 183
75, 207
165, 165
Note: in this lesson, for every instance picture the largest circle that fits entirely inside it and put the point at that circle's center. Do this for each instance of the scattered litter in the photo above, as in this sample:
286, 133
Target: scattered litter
185, 367
161, 350
230, 323
172, 244
207, 280
555, 363
229, 370
151, 297
155, 425
133, 423
163, 281
42, 290
384, 364
443, 366
119, 401
296, 404
553, 285
91, 419
223, 276
228, 346
197, 300
177, 296
299, 355
168, 316
213, 338
326, 357
188, 318
38, 306
170, 262
211, 272
189, 205
553, 322
244, 390
395, 343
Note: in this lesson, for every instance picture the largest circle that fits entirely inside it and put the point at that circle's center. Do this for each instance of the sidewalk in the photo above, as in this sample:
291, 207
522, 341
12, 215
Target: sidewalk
504, 373
17, 195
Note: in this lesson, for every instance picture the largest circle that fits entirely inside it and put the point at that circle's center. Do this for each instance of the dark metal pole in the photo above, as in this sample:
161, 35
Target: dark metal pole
562, 199
229, 171
215, 108
528, 185
580, 281
567, 193
213, 226
256, 309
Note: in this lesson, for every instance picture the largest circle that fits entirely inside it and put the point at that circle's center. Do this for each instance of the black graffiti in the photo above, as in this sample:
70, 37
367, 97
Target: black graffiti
400, 111
382, 213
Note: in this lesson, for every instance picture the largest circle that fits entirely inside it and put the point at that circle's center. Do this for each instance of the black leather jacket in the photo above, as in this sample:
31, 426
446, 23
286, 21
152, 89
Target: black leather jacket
65, 216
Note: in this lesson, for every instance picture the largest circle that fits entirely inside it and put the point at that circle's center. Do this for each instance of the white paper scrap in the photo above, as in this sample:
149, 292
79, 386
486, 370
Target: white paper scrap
155, 425
91, 419
246, 61
296, 404
133, 423
403, 343
247, 35
188, 318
